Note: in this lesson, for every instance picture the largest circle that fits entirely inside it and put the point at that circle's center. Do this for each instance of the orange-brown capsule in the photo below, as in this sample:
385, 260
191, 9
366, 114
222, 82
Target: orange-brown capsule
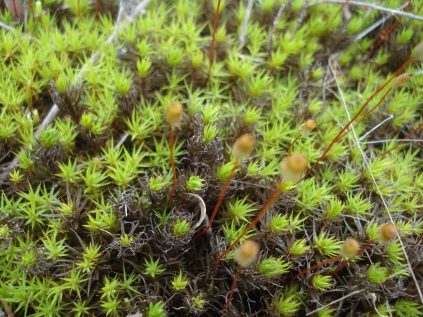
387, 232
293, 167
417, 53
247, 253
174, 114
350, 248
244, 145
308, 125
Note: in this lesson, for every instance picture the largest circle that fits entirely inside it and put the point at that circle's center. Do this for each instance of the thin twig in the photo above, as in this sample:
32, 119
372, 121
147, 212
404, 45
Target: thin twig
376, 127
275, 24
6, 27
369, 6
242, 34
392, 140
335, 301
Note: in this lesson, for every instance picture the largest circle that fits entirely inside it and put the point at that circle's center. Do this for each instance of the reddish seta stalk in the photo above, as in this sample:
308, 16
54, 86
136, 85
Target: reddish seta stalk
219, 200
31, 10
410, 134
277, 192
331, 260
318, 265
213, 43
269, 202
359, 112
292, 143
172, 164
97, 8
232, 289
386, 32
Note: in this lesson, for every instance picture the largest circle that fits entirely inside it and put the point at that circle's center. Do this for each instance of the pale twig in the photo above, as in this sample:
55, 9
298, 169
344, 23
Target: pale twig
379, 192
275, 24
243, 33
376, 127
392, 140
335, 301
369, 6
6, 27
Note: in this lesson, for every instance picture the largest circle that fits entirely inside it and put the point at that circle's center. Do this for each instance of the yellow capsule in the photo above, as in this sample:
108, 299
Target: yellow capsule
174, 114
387, 232
293, 167
244, 145
350, 248
309, 125
246, 254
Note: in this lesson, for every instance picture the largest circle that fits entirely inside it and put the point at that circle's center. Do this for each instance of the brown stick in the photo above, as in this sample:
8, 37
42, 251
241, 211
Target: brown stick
232, 289
172, 164
292, 143
318, 265
30, 7
213, 43
97, 8
219, 200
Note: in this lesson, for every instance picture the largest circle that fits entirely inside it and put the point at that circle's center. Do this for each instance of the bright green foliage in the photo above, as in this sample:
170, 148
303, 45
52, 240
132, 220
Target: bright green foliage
322, 282
287, 305
87, 226
299, 247
195, 183
377, 273
407, 308
209, 133
181, 227
224, 171
272, 266
239, 210
153, 268
156, 310
326, 245
180, 282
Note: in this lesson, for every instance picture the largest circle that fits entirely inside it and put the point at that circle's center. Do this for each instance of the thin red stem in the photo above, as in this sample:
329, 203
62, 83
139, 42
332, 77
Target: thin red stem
269, 202
345, 263
219, 200
232, 289
172, 164
213, 43
386, 32
362, 108
411, 133
318, 265
97, 8
292, 143
30, 7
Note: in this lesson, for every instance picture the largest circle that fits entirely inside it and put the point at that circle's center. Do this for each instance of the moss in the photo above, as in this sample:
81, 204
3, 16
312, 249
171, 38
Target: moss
87, 222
